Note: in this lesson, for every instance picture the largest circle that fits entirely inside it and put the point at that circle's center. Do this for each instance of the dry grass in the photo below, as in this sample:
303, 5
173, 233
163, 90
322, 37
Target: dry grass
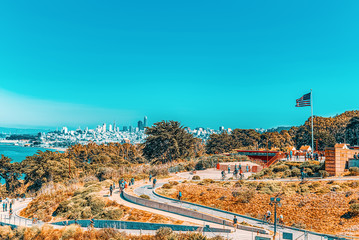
84, 202
316, 205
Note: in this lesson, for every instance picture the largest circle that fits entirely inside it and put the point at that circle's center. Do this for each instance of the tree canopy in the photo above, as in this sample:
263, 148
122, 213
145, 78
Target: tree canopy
167, 141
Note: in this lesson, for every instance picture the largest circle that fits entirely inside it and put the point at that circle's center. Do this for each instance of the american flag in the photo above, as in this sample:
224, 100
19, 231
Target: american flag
304, 101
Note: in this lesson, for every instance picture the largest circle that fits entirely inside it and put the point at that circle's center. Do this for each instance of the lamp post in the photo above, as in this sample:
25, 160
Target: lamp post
276, 202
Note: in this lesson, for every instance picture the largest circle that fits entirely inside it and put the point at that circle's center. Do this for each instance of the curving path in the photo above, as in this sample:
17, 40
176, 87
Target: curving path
297, 233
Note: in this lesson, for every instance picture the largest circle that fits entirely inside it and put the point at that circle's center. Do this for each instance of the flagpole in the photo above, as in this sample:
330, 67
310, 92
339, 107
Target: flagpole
311, 105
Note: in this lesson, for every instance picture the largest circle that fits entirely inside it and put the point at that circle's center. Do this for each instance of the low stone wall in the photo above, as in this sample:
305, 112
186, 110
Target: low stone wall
139, 225
186, 212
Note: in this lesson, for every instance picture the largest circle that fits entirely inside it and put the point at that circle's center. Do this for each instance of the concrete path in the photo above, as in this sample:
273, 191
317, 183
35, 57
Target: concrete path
147, 189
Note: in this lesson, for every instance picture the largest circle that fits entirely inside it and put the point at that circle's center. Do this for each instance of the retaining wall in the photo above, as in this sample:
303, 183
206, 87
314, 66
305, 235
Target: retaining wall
139, 225
187, 212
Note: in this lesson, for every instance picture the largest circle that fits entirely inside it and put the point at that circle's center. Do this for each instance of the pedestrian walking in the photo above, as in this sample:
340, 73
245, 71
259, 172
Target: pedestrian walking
229, 169
132, 181
150, 178
154, 183
235, 221
111, 189
179, 195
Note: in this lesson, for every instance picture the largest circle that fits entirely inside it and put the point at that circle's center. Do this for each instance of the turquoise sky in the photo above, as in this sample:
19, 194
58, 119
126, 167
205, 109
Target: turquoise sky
240, 64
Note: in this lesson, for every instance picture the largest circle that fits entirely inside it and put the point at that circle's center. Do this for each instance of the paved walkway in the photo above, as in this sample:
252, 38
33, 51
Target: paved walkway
147, 189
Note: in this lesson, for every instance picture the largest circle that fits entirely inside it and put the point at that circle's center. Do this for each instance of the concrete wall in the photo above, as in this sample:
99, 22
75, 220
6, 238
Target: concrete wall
139, 225
186, 212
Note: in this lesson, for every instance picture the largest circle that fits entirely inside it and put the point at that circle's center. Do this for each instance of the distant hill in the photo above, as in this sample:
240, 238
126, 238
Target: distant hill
7, 131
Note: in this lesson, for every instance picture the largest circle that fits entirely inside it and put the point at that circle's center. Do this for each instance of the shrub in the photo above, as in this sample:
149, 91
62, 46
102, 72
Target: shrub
163, 233
111, 214
354, 171
244, 195
334, 188
145, 196
295, 172
354, 209
323, 173
167, 186
280, 168
196, 177
207, 181
174, 183
308, 171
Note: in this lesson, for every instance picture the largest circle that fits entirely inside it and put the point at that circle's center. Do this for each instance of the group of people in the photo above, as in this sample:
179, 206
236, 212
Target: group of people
237, 172
122, 184
268, 217
7, 205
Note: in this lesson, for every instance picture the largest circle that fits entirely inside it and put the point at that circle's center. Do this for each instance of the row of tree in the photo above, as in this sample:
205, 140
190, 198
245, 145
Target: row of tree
343, 128
167, 141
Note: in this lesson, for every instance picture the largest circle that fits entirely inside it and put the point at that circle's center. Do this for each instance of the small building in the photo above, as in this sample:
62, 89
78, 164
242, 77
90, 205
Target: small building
291, 148
337, 158
305, 148
252, 167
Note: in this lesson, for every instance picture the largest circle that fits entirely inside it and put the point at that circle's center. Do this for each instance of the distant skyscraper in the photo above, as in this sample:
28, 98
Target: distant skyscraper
145, 121
114, 126
125, 128
104, 127
110, 128
221, 129
140, 125
130, 129
64, 130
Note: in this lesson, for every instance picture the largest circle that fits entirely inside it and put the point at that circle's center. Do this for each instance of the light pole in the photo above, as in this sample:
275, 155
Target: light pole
275, 202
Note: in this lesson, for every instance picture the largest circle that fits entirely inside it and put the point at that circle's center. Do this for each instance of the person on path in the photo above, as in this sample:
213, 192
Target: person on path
154, 183
268, 215
179, 195
229, 169
150, 178
125, 184
132, 181
281, 219
111, 189
235, 221
291, 154
247, 168
114, 185
11, 203
3, 206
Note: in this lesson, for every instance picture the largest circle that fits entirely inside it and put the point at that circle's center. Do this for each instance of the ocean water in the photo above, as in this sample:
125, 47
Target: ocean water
18, 153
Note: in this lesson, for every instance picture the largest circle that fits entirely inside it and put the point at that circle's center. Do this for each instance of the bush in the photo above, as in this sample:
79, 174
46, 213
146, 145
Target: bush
167, 186
196, 177
323, 173
295, 172
243, 196
280, 168
207, 181
174, 183
334, 188
354, 171
163, 233
145, 196
354, 209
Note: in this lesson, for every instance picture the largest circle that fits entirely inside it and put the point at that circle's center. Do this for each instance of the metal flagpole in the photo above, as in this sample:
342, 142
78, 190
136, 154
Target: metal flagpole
311, 105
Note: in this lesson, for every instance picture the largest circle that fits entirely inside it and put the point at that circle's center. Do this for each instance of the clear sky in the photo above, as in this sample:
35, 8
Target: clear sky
240, 64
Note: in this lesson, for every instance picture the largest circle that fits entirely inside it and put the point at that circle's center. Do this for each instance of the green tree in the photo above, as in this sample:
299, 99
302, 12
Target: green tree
219, 143
10, 172
46, 166
352, 131
167, 141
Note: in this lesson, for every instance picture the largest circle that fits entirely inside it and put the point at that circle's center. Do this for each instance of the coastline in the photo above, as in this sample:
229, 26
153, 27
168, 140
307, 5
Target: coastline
21, 143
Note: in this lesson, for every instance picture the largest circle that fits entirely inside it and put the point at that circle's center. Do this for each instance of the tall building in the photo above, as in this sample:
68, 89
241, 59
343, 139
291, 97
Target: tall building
64, 130
125, 128
114, 126
145, 121
140, 125
110, 128
130, 128
221, 129
104, 127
